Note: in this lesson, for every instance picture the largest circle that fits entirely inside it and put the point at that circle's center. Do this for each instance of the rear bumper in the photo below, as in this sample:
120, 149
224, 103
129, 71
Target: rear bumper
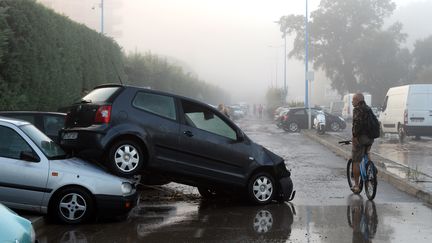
109, 206
418, 130
87, 143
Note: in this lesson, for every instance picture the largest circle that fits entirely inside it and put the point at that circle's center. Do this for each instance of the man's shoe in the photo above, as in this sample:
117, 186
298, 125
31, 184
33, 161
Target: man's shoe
355, 189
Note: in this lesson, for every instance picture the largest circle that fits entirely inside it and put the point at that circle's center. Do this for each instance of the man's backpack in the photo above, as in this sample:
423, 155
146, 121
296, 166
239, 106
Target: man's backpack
373, 127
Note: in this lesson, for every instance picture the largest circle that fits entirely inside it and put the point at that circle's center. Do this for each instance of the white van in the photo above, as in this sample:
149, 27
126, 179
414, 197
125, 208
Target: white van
347, 111
407, 110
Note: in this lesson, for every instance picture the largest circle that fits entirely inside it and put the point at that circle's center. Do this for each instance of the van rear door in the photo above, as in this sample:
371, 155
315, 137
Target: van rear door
420, 108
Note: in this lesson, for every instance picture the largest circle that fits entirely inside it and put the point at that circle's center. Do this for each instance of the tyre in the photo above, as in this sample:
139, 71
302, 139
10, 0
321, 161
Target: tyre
207, 193
125, 158
371, 182
334, 126
293, 127
73, 206
261, 188
350, 177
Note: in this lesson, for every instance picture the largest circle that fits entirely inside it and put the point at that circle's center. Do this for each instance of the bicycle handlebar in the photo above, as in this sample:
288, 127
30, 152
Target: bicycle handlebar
346, 142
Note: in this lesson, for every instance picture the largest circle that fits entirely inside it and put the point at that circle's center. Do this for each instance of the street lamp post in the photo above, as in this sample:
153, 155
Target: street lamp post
102, 16
285, 65
306, 65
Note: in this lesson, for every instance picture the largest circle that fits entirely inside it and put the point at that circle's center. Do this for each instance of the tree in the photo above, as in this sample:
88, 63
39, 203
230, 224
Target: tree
347, 42
422, 61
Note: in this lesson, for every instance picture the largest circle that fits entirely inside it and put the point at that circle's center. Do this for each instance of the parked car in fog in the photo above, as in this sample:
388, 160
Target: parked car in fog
14, 228
49, 123
297, 118
37, 175
137, 129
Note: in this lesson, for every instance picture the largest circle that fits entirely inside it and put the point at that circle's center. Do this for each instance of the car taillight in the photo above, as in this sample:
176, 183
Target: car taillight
285, 117
406, 117
103, 114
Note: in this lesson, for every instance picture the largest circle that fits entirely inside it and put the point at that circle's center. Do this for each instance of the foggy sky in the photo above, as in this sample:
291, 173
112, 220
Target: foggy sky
226, 42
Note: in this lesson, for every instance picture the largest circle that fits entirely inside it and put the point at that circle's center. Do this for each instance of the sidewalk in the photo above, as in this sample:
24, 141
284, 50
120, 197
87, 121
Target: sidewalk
402, 177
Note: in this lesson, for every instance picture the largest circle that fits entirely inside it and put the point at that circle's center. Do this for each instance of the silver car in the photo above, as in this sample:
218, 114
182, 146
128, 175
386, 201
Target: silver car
36, 175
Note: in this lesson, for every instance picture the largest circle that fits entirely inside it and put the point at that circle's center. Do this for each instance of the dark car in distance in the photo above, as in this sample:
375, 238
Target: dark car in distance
135, 130
297, 118
49, 123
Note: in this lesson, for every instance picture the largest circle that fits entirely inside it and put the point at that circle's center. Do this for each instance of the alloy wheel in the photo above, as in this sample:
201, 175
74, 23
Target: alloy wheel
73, 206
263, 188
126, 158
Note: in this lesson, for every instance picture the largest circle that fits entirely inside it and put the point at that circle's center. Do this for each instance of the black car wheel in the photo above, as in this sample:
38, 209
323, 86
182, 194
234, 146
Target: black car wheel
334, 126
293, 127
261, 188
73, 206
125, 158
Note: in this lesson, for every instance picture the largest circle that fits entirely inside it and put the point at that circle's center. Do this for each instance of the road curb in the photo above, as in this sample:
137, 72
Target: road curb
382, 164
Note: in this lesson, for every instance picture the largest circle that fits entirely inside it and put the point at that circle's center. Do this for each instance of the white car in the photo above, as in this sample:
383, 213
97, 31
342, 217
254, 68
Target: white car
37, 175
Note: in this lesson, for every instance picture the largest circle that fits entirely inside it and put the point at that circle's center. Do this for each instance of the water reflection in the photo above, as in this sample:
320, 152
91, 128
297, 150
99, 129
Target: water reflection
218, 222
362, 217
206, 222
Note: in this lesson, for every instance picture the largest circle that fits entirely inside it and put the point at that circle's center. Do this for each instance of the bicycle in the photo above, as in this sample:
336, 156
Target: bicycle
368, 173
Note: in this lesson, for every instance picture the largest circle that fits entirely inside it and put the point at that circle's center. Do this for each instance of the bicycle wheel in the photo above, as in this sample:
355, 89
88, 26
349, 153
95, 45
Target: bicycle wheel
350, 177
371, 181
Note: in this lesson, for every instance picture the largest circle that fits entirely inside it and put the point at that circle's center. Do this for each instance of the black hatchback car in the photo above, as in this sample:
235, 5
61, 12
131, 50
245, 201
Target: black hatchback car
297, 118
134, 129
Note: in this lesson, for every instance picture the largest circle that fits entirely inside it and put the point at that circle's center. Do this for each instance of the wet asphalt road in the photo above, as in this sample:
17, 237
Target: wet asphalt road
324, 210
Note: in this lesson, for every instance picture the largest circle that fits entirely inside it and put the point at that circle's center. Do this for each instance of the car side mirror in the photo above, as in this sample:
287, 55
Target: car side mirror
29, 156
240, 136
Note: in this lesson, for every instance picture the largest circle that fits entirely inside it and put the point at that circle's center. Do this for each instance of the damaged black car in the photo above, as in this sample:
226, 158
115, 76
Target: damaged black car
133, 130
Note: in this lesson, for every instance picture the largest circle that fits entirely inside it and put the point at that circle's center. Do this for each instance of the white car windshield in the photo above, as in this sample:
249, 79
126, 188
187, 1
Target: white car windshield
48, 147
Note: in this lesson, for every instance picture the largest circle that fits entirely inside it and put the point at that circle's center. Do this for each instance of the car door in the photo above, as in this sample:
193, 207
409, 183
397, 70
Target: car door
22, 182
210, 146
157, 115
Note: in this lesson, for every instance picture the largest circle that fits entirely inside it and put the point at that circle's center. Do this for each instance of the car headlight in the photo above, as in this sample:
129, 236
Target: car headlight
126, 188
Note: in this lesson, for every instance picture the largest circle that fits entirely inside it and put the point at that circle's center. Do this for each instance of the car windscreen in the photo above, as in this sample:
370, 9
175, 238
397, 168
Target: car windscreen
100, 94
48, 147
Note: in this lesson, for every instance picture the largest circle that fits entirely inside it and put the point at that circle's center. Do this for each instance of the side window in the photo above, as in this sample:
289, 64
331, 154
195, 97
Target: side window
205, 119
157, 104
53, 124
12, 144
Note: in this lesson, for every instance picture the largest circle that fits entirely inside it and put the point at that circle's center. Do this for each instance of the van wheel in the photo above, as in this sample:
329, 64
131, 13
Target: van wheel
401, 133
125, 158
382, 134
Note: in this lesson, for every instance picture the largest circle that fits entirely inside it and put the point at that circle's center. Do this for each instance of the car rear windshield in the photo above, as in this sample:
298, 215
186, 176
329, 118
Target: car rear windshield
100, 94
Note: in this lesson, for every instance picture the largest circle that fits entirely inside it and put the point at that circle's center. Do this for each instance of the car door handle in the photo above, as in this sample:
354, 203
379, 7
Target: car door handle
188, 133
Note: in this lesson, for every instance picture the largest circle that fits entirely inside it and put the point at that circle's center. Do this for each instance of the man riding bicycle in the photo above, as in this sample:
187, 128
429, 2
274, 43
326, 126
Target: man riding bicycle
360, 140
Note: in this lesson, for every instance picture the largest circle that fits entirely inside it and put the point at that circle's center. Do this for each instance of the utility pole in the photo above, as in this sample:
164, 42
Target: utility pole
102, 16
285, 66
306, 63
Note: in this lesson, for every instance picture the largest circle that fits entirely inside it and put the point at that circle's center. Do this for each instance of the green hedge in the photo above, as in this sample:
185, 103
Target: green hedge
47, 60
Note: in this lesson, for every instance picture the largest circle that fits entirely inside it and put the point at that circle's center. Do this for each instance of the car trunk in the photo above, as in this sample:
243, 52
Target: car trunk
81, 115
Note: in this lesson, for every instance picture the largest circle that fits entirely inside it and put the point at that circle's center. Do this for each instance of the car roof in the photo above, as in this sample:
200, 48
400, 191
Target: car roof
13, 121
147, 89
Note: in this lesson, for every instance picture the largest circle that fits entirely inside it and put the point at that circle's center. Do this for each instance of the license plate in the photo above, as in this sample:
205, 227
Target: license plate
70, 135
